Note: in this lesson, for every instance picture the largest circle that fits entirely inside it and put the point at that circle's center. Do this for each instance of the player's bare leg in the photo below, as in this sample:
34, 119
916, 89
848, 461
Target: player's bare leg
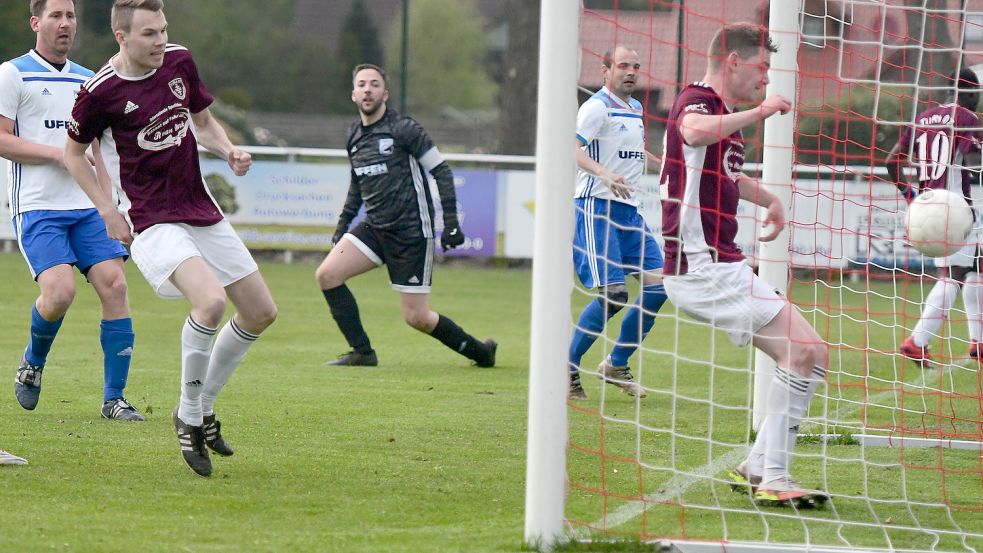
417, 314
343, 262
801, 356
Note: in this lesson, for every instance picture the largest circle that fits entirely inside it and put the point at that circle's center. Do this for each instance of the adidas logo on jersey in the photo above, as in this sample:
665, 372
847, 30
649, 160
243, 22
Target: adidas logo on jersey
130, 106
623, 128
46, 92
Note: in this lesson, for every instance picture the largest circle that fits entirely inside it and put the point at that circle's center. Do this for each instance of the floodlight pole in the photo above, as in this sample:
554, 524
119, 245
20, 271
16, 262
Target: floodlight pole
776, 175
404, 56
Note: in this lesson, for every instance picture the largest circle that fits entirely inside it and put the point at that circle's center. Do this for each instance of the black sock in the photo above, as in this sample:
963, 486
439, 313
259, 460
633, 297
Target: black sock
345, 313
455, 338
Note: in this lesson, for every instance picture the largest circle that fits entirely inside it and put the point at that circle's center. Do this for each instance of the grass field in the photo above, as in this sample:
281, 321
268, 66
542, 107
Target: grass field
424, 452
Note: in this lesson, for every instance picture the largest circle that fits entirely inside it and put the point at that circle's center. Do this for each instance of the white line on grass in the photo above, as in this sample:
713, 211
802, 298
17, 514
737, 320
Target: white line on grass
674, 488
677, 485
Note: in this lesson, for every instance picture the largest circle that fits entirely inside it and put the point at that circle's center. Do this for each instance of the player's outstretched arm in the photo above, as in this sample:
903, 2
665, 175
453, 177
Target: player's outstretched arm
752, 191
81, 170
700, 129
18, 150
213, 138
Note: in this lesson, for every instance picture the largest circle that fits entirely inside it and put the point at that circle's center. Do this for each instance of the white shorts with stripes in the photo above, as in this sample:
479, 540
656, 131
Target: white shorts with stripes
159, 250
729, 296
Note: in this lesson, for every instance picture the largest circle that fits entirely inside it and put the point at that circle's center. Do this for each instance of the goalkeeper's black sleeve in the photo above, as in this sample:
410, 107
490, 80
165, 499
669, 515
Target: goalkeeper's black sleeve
448, 198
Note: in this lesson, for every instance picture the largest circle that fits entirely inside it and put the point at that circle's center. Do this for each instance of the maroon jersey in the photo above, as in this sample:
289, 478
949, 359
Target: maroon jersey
939, 139
145, 127
699, 188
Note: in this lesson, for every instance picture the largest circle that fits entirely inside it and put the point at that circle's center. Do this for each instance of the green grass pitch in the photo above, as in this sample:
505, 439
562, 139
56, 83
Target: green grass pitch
423, 453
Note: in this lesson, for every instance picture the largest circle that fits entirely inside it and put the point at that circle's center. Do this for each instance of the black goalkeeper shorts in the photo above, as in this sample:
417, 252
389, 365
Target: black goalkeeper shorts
409, 258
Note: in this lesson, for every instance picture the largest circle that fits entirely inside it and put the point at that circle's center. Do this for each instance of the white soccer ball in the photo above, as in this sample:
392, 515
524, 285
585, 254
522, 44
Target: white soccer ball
938, 222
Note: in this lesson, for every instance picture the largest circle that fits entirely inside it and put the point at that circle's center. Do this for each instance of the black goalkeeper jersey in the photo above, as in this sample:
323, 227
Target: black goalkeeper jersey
388, 160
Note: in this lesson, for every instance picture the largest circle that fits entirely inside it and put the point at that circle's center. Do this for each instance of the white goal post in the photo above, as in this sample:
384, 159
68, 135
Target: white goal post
552, 273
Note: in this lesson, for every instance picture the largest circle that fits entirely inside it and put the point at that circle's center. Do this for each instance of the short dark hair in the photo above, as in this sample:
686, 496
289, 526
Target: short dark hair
122, 14
38, 6
743, 38
966, 79
608, 59
361, 66
967, 87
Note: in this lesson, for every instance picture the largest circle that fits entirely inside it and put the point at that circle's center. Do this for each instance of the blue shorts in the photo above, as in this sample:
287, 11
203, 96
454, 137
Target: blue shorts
64, 237
611, 241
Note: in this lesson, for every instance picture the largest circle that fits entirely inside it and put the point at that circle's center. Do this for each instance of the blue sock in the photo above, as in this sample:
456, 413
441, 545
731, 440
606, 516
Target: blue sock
42, 336
589, 327
634, 331
116, 338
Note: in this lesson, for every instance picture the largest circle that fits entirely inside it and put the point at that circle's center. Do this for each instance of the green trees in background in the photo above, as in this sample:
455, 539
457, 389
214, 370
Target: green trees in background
251, 56
16, 36
447, 52
517, 105
843, 133
359, 44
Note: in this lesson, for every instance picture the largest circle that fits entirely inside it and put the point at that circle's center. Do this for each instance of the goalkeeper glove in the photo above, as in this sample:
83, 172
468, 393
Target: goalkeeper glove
452, 236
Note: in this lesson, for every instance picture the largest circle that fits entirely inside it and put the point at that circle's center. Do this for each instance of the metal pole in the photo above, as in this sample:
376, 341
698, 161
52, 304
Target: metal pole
680, 36
404, 56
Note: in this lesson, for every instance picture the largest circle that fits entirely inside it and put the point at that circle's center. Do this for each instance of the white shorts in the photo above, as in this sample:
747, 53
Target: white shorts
967, 255
729, 296
159, 250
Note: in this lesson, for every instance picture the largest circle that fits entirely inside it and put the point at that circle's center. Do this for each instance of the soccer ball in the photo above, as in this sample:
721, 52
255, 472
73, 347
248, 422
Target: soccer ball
938, 222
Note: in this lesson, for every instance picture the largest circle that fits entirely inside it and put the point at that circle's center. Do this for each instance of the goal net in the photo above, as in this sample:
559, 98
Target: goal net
897, 446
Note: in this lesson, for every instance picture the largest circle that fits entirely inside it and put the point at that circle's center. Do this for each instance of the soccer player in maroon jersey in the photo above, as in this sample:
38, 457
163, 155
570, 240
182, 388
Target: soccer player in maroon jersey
942, 145
142, 104
705, 272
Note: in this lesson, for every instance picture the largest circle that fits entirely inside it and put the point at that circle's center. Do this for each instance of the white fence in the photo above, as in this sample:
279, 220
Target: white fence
292, 197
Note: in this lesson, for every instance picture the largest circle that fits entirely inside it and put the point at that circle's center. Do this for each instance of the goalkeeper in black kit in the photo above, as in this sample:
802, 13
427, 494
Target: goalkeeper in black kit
389, 153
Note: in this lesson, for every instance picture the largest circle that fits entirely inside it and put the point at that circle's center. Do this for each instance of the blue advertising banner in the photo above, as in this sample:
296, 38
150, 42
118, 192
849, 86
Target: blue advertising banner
477, 205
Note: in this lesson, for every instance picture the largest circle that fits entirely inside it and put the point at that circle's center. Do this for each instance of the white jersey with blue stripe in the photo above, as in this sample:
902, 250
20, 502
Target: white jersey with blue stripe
38, 98
612, 133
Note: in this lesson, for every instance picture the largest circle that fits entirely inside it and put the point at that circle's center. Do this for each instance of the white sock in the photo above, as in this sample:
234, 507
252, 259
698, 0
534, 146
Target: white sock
196, 345
973, 300
786, 404
799, 409
936, 309
230, 347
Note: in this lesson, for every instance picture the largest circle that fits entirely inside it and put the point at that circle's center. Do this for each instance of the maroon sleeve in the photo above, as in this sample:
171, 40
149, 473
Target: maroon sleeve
199, 97
87, 122
967, 132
